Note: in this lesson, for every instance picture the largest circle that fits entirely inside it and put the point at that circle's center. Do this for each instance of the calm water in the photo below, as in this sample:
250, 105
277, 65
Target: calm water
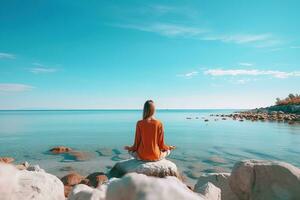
201, 146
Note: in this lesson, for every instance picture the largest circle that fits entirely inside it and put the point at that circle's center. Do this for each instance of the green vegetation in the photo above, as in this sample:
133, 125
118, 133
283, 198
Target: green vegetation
292, 99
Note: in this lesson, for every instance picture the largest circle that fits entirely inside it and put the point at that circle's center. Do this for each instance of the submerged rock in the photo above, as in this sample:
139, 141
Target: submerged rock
160, 168
215, 160
60, 149
70, 154
23, 184
138, 186
108, 152
78, 156
255, 179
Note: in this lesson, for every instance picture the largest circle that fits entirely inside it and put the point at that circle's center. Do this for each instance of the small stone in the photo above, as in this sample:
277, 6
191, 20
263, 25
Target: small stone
7, 159
96, 179
60, 149
72, 179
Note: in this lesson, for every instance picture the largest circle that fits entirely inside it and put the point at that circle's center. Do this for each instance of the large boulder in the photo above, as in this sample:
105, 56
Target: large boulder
255, 179
24, 184
220, 180
138, 186
160, 168
84, 192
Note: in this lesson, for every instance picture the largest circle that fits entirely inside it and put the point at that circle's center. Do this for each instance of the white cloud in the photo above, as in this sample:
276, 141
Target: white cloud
41, 69
167, 29
189, 74
245, 64
7, 56
253, 72
240, 38
14, 87
172, 30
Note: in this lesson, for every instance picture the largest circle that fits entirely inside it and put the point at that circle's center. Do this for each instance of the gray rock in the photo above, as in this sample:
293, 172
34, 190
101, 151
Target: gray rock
258, 180
160, 168
220, 180
210, 191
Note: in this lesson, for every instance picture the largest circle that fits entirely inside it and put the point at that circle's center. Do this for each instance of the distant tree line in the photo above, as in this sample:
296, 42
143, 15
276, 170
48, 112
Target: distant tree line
292, 99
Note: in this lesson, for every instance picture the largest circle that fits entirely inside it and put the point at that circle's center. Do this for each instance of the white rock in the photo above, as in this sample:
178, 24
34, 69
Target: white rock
141, 187
160, 168
27, 185
84, 192
210, 191
220, 180
8, 181
254, 179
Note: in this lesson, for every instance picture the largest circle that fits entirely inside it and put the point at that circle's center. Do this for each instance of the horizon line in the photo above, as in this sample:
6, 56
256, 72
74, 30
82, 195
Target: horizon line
122, 109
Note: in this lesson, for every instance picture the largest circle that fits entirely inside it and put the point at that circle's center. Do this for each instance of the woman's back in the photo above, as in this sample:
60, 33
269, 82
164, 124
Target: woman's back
149, 136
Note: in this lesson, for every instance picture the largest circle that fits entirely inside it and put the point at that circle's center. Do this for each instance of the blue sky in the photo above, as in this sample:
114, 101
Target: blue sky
116, 54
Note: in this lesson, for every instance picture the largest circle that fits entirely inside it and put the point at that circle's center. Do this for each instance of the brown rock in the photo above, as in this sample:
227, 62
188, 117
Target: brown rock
7, 159
85, 181
72, 179
60, 149
67, 190
96, 179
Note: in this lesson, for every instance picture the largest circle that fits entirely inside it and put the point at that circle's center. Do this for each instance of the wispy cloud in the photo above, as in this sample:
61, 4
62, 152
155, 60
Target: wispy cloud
189, 74
246, 64
14, 87
7, 56
166, 29
186, 31
41, 69
252, 72
240, 38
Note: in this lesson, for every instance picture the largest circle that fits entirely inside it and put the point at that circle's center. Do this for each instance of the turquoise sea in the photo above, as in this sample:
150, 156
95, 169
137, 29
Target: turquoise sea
211, 146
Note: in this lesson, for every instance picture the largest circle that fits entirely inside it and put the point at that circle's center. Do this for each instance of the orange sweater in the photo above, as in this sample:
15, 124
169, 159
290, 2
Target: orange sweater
149, 140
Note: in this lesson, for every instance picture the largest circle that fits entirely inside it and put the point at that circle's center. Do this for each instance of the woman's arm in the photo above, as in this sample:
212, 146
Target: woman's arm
137, 139
161, 140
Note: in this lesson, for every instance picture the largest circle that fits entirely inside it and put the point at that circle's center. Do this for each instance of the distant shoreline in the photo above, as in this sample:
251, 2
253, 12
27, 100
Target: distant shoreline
175, 109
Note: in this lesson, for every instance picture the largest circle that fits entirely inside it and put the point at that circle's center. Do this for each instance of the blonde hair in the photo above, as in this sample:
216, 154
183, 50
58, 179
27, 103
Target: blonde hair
149, 109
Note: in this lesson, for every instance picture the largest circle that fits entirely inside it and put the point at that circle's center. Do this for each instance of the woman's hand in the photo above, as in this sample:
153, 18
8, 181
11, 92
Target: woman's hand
127, 148
172, 147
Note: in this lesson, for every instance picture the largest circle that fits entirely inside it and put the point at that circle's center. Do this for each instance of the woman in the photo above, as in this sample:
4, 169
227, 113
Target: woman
149, 142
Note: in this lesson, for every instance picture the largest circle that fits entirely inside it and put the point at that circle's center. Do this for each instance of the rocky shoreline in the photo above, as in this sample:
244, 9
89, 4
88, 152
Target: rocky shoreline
274, 116
131, 179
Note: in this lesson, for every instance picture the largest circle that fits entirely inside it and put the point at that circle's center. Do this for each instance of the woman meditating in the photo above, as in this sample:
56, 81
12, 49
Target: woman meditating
149, 142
